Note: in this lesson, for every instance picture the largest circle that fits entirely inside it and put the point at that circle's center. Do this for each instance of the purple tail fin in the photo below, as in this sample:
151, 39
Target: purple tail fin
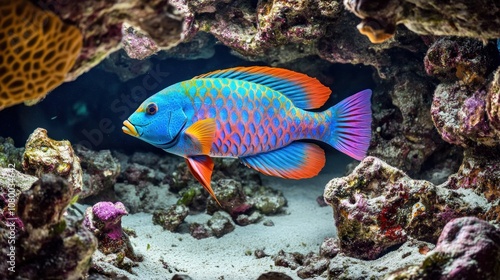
351, 125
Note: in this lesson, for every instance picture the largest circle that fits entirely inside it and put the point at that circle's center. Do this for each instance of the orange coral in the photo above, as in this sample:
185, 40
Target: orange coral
376, 31
37, 50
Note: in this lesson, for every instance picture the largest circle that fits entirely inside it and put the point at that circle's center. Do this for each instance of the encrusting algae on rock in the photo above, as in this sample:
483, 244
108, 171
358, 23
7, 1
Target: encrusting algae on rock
43, 155
50, 242
378, 206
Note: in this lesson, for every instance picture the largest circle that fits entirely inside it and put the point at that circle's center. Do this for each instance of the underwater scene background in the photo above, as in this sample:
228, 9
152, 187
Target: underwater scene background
83, 200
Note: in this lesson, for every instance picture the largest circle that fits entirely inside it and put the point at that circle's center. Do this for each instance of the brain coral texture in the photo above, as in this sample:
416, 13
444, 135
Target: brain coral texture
36, 51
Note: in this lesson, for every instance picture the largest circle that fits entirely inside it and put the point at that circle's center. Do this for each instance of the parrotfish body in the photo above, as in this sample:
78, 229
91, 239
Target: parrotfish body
256, 114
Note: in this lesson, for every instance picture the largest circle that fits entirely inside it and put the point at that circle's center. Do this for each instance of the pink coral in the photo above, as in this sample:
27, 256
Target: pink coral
104, 218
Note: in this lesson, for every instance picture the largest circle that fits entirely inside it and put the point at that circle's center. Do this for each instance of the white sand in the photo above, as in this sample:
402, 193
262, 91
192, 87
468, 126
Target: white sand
302, 230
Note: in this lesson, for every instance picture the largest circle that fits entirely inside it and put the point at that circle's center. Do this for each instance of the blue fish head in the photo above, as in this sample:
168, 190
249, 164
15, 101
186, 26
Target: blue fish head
159, 120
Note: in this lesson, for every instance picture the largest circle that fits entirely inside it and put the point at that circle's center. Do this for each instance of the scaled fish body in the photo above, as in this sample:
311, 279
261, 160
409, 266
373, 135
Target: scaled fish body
256, 114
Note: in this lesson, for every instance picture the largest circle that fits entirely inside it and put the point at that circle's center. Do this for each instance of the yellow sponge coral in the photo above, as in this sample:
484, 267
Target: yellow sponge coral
37, 50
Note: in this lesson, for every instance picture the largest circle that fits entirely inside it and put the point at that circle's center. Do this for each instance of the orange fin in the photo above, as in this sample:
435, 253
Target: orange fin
298, 160
201, 167
304, 91
203, 133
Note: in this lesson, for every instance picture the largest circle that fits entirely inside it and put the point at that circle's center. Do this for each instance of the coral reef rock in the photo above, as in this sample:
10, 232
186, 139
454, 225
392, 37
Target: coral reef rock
273, 275
493, 102
468, 248
218, 225
290, 260
464, 104
171, 218
329, 264
201, 46
10, 156
329, 248
341, 44
12, 184
465, 116
466, 59
232, 198
143, 185
48, 234
104, 221
480, 173
411, 252
137, 44
13, 178
151, 25
193, 197
477, 19
244, 220
252, 30
404, 135
125, 68
246, 205
37, 50
313, 265
43, 155
268, 201
200, 231
100, 170
378, 206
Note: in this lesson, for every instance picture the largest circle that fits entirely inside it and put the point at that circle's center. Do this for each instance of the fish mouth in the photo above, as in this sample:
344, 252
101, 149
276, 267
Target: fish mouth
129, 128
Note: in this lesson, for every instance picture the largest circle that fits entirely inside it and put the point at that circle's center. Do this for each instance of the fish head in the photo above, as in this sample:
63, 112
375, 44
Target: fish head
159, 120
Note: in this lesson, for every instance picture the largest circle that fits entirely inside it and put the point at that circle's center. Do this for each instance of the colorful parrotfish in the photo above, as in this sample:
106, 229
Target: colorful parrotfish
256, 114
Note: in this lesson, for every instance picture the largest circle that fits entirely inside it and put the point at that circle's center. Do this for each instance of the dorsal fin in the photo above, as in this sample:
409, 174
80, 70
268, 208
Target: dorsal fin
304, 91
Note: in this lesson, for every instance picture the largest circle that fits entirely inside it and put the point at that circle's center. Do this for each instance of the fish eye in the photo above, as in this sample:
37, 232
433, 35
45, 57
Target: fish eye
151, 109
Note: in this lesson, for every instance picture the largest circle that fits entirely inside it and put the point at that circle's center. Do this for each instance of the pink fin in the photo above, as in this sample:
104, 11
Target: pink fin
351, 125
201, 167
304, 91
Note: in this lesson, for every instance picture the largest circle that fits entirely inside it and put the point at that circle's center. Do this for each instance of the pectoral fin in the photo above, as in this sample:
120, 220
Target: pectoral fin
201, 167
202, 133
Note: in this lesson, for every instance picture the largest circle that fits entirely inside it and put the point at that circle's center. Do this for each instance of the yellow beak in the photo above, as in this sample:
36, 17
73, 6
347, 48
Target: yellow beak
129, 128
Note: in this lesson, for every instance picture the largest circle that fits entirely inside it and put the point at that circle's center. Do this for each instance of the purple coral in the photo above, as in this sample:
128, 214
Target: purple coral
105, 218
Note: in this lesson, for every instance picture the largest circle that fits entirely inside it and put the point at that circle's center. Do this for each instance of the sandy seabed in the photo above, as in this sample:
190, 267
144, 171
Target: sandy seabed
302, 229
